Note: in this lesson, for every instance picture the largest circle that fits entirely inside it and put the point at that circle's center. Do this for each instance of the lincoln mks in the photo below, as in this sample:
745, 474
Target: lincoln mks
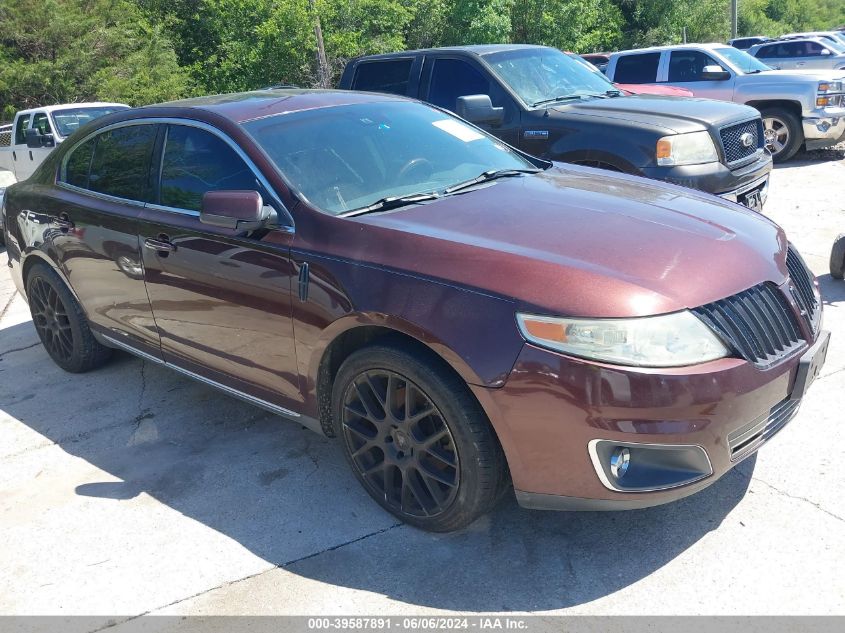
466, 319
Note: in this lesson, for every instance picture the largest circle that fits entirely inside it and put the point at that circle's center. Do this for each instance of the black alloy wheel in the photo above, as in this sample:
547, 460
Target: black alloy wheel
50, 318
400, 444
416, 437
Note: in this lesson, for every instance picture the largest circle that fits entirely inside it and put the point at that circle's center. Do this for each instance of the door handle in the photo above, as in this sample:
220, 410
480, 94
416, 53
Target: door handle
161, 245
63, 222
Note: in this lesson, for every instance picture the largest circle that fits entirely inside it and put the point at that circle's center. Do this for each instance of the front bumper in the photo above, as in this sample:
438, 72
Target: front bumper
717, 178
553, 409
825, 128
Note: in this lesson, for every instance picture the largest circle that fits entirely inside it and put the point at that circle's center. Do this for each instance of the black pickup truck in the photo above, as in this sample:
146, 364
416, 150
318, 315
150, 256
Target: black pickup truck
546, 103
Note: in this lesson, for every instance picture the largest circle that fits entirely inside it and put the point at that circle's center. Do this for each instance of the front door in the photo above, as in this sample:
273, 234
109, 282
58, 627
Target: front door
686, 68
222, 301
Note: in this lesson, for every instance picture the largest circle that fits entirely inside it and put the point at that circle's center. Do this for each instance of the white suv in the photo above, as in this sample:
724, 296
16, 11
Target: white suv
801, 53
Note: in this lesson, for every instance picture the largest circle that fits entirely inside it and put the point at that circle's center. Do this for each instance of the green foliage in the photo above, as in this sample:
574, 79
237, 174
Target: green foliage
144, 51
54, 51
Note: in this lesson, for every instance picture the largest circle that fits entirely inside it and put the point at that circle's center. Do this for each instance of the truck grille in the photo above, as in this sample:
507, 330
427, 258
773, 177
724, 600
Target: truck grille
746, 439
758, 323
802, 279
732, 144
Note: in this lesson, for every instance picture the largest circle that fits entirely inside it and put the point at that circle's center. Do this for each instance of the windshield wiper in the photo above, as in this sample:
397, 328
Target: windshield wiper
556, 99
391, 202
489, 175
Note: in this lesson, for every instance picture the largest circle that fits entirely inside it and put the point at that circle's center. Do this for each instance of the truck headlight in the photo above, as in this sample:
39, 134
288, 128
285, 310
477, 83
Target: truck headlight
831, 86
693, 148
667, 340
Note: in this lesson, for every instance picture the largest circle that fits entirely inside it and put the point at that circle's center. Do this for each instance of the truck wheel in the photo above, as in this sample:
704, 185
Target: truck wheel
416, 439
61, 324
837, 257
783, 133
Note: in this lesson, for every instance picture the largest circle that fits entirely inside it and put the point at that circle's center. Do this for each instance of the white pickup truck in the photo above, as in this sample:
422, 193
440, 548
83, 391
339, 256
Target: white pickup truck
35, 133
805, 107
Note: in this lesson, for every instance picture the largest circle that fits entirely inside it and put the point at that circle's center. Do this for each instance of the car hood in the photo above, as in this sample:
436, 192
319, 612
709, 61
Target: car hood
582, 242
804, 76
674, 114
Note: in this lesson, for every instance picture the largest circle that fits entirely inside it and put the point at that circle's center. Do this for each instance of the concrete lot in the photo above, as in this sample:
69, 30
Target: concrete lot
133, 490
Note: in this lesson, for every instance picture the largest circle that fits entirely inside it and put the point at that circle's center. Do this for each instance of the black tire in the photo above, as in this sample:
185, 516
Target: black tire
442, 487
837, 257
61, 324
783, 132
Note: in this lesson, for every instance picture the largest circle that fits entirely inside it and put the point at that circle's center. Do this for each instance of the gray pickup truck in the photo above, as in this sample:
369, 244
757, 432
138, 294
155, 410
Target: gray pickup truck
799, 108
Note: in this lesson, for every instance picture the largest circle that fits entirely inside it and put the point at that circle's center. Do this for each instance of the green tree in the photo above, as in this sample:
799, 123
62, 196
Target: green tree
54, 51
576, 25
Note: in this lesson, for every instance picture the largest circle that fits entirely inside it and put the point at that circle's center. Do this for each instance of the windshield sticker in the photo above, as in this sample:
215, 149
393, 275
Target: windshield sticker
458, 130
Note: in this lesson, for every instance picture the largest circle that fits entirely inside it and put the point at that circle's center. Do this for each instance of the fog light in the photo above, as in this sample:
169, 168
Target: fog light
619, 462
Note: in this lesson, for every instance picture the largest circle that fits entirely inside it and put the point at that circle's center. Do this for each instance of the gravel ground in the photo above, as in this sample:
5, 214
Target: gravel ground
132, 490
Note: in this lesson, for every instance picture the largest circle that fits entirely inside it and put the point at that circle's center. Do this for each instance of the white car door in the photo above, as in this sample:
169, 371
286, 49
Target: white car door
20, 153
41, 123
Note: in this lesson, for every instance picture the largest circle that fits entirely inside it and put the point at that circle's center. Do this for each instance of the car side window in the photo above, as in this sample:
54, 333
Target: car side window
78, 164
195, 161
41, 122
813, 49
390, 76
121, 162
453, 78
688, 65
637, 69
20, 129
768, 51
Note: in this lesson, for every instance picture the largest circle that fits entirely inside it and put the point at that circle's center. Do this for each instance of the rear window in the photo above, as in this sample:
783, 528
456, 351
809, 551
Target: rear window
121, 161
637, 69
383, 76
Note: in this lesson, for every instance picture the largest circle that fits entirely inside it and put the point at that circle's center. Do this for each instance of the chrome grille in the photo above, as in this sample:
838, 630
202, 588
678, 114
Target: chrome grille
731, 136
802, 279
746, 439
758, 323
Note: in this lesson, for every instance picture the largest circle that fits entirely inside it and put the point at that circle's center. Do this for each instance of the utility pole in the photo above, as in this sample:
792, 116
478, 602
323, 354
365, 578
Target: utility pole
733, 18
322, 60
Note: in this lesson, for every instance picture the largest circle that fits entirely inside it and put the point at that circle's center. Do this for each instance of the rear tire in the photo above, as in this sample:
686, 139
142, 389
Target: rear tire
783, 133
416, 439
61, 324
837, 257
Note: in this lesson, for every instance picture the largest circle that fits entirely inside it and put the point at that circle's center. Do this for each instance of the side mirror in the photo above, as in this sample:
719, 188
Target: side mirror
34, 140
714, 73
48, 140
479, 109
241, 211
825, 51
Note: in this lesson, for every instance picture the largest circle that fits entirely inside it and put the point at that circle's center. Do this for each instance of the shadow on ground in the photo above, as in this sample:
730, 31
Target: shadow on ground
803, 157
286, 494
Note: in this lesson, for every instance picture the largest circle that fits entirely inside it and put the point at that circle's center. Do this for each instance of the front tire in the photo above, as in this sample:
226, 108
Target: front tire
416, 439
61, 324
783, 133
837, 257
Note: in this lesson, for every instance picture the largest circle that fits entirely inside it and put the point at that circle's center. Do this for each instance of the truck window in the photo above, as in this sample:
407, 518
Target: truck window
453, 78
383, 76
121, 161
637, 69
20, 129
41, 122
688, 65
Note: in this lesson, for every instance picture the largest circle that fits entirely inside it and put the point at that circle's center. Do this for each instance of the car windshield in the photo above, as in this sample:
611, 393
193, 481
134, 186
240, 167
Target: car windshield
69, 120
836, 45
741, 60
349, 157
540, 75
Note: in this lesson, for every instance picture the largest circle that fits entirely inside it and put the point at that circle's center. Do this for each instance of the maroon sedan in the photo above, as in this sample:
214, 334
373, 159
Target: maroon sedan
459, 314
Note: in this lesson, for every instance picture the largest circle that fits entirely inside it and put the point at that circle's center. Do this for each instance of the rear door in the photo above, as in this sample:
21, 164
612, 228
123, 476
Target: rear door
222, 301
445, 78
685, 70
779, 56
91, 221
636, 68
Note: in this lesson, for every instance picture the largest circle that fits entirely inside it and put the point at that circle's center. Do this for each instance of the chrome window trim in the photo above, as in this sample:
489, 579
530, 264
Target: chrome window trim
101, 196
289, 227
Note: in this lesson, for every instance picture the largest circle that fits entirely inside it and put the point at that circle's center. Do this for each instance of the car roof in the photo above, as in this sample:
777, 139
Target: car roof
65, 106
245, 106
672, 47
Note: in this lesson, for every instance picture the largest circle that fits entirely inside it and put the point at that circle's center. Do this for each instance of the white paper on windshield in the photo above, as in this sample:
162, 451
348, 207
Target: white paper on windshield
458, 130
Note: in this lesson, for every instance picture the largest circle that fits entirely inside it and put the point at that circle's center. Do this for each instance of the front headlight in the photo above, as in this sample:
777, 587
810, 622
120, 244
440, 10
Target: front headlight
831, 86
667, 340
686, 149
